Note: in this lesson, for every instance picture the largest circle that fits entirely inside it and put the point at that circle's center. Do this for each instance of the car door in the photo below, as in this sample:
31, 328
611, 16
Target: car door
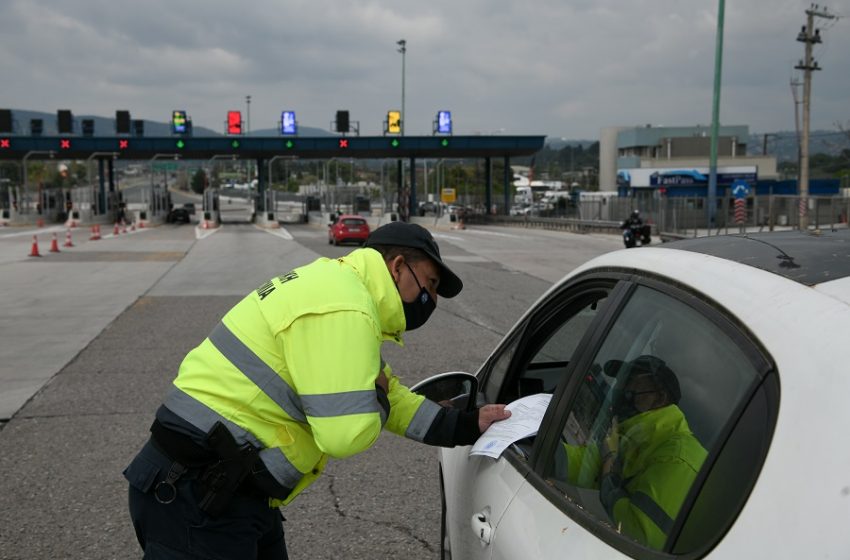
686, 464
479, 489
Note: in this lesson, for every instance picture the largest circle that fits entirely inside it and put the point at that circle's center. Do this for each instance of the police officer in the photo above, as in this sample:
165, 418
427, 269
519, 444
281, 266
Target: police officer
291, 376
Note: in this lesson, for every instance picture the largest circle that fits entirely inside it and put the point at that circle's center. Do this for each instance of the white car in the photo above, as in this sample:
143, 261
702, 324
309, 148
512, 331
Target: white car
699, 409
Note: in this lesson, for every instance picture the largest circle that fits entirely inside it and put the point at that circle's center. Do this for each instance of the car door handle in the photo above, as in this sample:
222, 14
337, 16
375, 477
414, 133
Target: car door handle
481, 527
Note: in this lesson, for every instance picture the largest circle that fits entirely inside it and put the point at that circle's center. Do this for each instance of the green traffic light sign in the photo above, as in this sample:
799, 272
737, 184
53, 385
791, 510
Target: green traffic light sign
290, 144
445, 142
395, 143
181, 144
234, 144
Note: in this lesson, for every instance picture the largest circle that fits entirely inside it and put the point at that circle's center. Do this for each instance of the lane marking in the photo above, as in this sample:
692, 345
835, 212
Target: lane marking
201, 233
50, 229
465, 259
282, 232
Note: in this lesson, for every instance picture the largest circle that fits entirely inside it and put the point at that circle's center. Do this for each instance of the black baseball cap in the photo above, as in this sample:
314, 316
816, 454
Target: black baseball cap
648, 365
404, 234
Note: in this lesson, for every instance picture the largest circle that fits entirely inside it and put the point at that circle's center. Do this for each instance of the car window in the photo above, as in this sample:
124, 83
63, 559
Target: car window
353, 222
648, 411
550, 343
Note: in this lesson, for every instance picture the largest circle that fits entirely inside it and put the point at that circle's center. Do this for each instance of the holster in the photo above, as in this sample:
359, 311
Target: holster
221, 479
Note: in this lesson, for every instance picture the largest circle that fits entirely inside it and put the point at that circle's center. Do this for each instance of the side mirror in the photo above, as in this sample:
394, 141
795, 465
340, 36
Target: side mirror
454, 389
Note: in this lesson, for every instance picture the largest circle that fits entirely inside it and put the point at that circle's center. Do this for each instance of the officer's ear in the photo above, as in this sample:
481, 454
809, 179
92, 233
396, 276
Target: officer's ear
394, 265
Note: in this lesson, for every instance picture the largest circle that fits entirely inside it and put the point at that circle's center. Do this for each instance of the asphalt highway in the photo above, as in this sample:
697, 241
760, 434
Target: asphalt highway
91, 338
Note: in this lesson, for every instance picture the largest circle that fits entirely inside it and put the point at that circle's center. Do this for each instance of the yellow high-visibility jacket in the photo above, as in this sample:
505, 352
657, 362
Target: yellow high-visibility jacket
292, 367
659, 458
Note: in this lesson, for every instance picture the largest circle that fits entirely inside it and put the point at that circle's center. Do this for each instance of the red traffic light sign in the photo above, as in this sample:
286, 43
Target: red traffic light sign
343, 143
5, 143
123, 144
64, 144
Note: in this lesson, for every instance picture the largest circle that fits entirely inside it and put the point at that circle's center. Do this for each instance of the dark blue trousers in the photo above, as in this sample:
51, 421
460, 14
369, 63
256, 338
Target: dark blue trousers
248, 528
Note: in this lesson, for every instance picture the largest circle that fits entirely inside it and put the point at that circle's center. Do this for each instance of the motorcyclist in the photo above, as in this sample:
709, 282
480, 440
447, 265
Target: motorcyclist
633, 221
635, 230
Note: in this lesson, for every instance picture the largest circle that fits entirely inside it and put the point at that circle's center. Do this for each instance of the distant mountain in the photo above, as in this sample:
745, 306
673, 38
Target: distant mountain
104, 126
560, 143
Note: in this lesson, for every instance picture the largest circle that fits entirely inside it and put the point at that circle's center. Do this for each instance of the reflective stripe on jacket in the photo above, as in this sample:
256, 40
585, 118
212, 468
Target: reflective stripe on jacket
292, 368
660, 458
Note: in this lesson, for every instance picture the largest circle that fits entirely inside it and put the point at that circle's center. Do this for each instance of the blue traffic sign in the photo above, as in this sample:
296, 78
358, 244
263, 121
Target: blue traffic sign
740, 189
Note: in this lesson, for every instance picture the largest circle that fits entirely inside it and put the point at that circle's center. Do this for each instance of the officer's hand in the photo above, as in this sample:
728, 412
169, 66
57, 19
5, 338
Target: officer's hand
490, 413
383, 382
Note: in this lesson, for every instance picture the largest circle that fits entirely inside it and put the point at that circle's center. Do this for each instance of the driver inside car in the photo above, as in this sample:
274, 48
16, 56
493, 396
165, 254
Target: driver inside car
647, 461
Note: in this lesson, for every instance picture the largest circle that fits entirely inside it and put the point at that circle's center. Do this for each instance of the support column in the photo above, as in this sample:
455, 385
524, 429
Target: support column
488, 185
101, 181
402, 214
507, 177
261, 187
412, 207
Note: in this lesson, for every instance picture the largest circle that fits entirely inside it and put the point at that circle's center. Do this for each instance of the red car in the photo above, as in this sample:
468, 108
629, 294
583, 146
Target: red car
348, 228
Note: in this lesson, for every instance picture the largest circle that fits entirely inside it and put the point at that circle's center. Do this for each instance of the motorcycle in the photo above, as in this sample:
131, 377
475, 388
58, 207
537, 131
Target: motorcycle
636, 235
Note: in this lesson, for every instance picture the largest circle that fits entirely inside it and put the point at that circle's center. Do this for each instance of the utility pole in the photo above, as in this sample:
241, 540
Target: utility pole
794, 85
810, 37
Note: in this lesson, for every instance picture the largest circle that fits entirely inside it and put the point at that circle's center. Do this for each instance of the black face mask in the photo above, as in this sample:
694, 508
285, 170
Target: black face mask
418, 311
623, 404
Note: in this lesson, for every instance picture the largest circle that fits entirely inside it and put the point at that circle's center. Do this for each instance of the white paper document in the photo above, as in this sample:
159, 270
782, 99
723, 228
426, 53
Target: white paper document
526, 415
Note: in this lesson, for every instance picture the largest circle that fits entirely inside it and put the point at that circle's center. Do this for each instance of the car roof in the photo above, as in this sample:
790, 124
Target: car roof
809, 257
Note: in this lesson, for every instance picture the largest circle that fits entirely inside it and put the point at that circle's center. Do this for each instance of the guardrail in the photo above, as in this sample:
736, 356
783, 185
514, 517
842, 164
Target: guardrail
562, 224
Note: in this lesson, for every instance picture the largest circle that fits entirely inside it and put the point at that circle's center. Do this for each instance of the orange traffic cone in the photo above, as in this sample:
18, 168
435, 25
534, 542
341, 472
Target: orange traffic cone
141, 224
68, 242
54, 245
133, 226
205, 225
39, 222
34, 251
115, 230
123, 227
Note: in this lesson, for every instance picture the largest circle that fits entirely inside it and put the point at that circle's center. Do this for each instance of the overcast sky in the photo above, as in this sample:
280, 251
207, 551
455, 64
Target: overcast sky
563, 68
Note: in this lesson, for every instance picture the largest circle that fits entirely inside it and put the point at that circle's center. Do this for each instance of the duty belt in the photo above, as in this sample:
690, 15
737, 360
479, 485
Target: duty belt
223, 469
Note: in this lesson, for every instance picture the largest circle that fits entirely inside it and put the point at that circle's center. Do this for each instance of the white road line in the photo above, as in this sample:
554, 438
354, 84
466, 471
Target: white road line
201, 233
282, 232
449, 237
33, 232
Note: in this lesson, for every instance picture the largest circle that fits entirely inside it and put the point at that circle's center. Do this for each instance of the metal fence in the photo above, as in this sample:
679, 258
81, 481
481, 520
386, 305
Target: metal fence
676, 217
688, 216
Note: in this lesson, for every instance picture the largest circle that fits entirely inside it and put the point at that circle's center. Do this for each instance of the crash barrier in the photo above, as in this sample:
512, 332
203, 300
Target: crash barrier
561, 224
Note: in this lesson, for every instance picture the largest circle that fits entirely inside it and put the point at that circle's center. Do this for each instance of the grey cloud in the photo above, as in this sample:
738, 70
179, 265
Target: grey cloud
548, 66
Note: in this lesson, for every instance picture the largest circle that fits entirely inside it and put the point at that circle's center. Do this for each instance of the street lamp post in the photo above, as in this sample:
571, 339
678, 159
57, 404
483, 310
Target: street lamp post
715, 118
247, 115
402, 44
